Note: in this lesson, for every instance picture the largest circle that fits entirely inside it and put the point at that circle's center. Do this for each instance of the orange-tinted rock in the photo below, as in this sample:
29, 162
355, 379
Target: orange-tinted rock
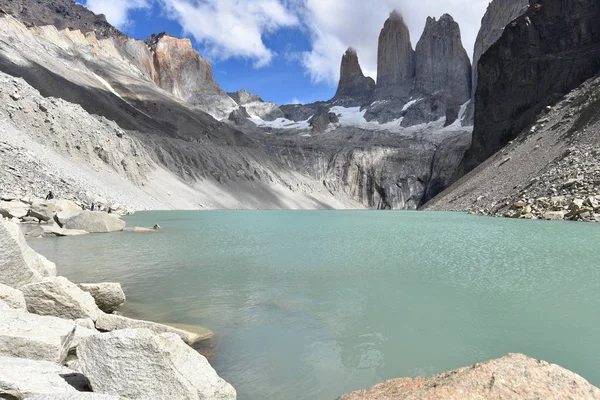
513, 376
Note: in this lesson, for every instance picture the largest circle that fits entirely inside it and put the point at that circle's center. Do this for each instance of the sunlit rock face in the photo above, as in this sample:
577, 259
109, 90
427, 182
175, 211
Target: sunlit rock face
181, 71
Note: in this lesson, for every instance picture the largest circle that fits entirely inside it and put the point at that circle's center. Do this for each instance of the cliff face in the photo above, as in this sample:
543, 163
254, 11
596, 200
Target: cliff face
62, 14
544, 54
395, 60
424, 85
442, 64
255, 106
498, 14
354, 87
183, 72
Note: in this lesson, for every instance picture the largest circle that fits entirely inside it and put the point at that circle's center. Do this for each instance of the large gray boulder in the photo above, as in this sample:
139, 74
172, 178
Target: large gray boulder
90, 221
113, 322
23, 379
139, 364
109, 296
13, 209
44, 210
19, 264
12, 297
33, 336
60, 298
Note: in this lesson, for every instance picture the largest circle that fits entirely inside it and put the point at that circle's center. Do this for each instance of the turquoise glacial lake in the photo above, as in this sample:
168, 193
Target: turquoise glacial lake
313, 304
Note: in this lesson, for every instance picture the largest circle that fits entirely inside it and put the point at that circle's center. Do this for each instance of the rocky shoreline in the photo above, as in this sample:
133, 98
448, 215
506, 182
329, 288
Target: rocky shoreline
59, 340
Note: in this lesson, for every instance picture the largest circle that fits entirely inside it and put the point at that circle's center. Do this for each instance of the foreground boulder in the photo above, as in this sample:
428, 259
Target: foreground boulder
90, 221
33, 336
23, 379
112, 322
109, 296
60, 298
19, 264
513, 376
139, 364
12, 297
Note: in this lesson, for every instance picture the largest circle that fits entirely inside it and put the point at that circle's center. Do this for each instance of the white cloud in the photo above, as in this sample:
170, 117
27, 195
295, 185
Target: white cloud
232, 28
117, 11
338, 24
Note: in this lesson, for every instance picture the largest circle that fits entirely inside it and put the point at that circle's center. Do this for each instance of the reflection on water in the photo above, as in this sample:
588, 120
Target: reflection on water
310, 305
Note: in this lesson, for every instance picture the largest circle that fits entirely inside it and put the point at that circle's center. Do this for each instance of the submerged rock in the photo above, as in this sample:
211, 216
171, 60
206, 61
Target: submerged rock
112, 322
513, 376
139, 364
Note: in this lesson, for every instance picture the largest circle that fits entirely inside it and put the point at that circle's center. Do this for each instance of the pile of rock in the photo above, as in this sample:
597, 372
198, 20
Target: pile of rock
58, 217
569, 189
557, 208
59, 340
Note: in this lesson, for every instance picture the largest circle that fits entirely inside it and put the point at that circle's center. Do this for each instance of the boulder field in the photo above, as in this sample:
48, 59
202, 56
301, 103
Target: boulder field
59, 340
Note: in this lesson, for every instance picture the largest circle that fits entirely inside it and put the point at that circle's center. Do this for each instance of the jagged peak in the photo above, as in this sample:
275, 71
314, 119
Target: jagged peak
396, 15
153, 39
351, 51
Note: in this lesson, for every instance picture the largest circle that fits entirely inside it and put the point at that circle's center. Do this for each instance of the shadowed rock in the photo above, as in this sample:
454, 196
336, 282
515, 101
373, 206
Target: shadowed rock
354, 87
395, 60
547, 52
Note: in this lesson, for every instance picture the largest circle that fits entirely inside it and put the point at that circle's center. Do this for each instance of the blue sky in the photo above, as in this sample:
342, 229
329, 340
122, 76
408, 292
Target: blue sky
283, 50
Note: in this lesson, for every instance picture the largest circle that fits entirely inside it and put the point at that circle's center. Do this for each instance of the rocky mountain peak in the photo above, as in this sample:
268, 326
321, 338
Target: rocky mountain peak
243, 97
354, 87
395, 59
62, 14
442, 64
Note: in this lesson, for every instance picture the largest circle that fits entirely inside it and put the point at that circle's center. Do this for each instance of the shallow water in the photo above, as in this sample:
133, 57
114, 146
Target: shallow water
310, 305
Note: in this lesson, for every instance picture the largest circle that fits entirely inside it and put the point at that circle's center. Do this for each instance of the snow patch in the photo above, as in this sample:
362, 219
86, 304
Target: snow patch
279, 123
410, 104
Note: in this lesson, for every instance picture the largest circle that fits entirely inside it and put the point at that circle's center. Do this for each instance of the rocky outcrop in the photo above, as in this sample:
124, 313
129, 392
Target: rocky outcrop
443, 68
90, 221
60, 298
547, 52
255, 106
109, 296
23, 379
139, 364
62, 14
424, 85
354, 88
322, 119
182, 71
512, 377
113, 322
395, 60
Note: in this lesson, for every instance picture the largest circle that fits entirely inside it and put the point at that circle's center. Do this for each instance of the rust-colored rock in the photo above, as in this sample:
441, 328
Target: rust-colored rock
514, 376
181, 71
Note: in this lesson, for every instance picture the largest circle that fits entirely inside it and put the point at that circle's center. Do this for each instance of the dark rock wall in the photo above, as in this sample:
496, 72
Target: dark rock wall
541, 56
